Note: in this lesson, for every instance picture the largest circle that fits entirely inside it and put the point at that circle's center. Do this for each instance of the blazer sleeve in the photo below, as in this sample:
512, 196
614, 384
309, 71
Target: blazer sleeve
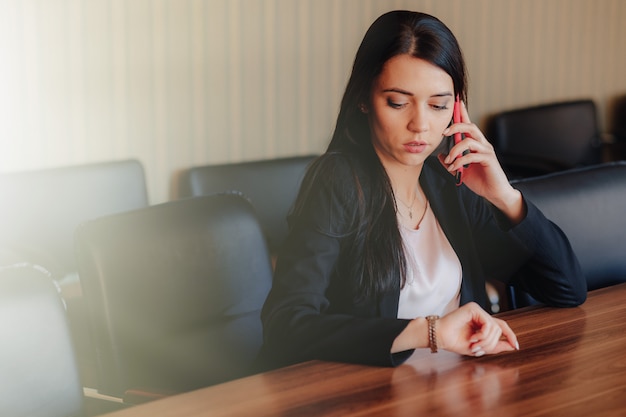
534, 255
301, 319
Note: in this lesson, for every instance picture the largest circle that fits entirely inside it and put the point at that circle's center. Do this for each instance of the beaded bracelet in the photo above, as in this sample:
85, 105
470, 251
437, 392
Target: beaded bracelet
432, 332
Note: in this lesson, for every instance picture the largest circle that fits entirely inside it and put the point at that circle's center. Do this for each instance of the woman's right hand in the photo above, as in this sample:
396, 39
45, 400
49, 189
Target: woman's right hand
470, 330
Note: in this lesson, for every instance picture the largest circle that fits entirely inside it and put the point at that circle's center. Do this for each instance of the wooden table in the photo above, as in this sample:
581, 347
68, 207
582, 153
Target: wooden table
572, 362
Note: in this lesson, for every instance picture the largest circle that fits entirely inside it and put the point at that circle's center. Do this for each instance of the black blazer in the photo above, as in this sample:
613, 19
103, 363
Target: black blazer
310, 312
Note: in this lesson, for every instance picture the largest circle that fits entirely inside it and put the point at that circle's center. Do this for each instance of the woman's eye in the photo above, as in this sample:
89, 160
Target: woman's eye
395, 105
437, 107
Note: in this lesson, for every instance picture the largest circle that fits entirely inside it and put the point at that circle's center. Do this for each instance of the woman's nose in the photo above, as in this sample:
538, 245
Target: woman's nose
418, 122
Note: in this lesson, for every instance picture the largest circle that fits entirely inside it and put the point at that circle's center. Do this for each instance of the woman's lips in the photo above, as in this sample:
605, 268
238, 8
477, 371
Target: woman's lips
415, 147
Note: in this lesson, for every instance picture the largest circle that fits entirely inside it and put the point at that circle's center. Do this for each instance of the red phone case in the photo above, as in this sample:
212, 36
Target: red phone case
458, 137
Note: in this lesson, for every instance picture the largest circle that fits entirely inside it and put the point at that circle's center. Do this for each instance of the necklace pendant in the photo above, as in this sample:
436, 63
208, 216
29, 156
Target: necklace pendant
411, 214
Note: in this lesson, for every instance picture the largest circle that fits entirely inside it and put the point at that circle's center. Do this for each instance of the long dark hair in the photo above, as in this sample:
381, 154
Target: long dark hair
378, 254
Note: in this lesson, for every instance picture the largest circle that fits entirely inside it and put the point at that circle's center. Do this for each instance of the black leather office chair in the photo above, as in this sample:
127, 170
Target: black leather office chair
38, 370
549, 138
271, 185
589, 205
618, 129
174, 294
40, 212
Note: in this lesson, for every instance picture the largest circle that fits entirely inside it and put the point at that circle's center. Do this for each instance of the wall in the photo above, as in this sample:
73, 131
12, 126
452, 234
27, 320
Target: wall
177, 83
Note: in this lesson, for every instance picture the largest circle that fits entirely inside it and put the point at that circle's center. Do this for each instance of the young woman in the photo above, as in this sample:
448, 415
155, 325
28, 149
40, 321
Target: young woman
386, 254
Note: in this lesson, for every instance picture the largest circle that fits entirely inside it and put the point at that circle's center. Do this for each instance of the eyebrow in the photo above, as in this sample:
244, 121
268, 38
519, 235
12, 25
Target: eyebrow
408, 93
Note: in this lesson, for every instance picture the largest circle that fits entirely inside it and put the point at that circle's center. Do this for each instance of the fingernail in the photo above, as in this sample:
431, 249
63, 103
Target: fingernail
517, 345
477, 349
445, 132
479, 353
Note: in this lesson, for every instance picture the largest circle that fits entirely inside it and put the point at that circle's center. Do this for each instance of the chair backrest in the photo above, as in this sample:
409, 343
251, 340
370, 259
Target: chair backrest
618, 124
38, 370
589, 205
548, 138
174, 293
617, 146
41, 209
271, 185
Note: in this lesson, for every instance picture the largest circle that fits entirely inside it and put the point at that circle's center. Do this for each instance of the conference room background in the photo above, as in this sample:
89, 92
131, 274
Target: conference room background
179, 83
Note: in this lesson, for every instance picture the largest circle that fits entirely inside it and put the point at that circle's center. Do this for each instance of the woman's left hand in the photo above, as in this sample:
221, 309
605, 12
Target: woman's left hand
484, 174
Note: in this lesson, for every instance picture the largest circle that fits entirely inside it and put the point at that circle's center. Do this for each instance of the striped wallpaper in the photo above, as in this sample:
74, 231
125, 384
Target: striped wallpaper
177, 83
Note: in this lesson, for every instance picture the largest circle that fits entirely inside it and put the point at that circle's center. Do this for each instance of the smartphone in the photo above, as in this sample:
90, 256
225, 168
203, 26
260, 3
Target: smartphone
458, 137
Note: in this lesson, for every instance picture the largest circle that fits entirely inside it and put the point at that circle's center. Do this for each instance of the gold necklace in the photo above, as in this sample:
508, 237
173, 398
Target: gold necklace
422, 217
410, 208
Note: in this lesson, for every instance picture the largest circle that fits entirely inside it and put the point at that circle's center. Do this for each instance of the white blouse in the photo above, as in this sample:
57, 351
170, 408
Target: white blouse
433, 280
